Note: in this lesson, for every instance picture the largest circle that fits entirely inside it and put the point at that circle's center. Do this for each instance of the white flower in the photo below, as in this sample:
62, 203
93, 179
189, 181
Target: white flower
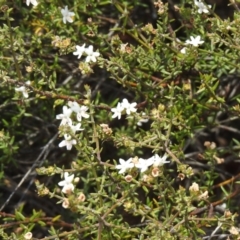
203, 196
67, 183
117, 111
82, 113
65, 116
159, 161
195, 41
183, 50
142, 120
123, 47
76, 127
23, 89
143, 164
68, 142
124, 165
80, 50
223, 206
33, 2
74, 106
233, 230
80, 110
129, 107
146, 178
67, 15
201, 7
91, 56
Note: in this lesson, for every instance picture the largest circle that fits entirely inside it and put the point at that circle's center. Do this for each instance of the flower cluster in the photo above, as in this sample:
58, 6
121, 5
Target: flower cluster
91, 55
123, 106
140, 163
67, 127
202, 7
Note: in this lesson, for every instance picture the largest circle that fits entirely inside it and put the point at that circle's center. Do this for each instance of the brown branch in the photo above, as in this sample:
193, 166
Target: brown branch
51, 95
46, 220
228, 181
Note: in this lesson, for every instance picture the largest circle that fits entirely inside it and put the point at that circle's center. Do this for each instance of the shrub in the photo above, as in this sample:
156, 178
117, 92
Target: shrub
119, 120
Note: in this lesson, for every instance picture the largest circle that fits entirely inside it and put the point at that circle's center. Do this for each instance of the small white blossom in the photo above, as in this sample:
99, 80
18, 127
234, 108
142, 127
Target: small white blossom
65, 116
67, 183
74, 106
117, 111
81, 111
223, 206
76, 127
123, 47
203, 196
201, 7
146, 178
91, 55
129, 107
80, 50
143, 164
67, 15
33, 2
183, 50
234, 231
142, 120
23, 89
195, 41
159, 161
68, 142
124, 165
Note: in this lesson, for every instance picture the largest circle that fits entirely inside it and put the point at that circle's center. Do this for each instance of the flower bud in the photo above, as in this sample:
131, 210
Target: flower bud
28, 236
81, 197
76, 180
203, 196
194, 187
155, 172
65, 203
128, 178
